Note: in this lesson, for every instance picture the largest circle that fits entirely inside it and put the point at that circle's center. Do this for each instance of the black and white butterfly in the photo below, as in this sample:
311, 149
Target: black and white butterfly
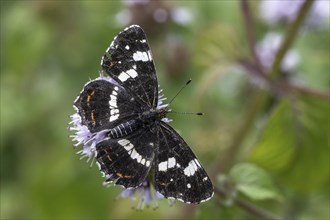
121, 121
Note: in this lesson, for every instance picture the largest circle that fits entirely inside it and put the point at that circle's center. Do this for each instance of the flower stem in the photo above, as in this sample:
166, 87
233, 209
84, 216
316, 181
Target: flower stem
289, 38
249, 29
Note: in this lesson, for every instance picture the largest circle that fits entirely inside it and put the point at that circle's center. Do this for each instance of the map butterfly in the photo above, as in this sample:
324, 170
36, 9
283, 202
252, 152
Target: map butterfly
122, 122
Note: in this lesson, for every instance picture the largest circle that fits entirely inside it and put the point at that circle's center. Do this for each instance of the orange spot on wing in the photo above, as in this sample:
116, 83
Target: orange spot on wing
119, 174
110, 64
164, 184
93, 119
89, 97
123, 176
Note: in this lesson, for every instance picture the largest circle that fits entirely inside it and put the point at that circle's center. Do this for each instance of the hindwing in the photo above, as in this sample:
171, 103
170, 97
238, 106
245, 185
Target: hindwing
178, 173
127, 161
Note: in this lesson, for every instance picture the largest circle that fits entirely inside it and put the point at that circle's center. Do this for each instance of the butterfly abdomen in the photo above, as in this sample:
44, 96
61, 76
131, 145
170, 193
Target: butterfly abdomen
124, 129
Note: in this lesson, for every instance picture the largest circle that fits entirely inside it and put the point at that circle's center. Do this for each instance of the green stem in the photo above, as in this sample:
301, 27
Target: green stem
248, 207
290, 37
249, 30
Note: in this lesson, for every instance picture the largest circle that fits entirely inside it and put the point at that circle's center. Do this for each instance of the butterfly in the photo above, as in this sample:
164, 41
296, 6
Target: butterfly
122, 122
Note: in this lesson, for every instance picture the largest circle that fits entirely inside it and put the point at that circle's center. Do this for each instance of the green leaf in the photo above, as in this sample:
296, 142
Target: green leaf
295, 144
253, 181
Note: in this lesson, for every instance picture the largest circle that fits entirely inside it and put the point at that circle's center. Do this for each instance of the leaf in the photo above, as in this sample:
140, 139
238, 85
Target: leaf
295, 144
253, 181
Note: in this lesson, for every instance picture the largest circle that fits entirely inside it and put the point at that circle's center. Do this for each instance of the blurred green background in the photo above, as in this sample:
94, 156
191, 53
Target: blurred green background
265, 145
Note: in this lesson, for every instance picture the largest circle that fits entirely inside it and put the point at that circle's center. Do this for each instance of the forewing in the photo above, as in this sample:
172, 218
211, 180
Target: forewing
127, 161
128, 60
178, 173
103, 104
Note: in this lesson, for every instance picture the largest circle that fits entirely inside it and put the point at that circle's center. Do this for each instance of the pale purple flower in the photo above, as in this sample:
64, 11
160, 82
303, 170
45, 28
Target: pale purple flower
135, 2
159, 12
160, 104
124, 17
82, 135
160, 15
144, 193
277, 11
267, 49
181, 15
161, 99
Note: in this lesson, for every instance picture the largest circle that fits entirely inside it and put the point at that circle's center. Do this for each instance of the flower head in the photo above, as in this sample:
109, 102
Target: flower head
155, 12
145, 194
83, 137
267, 49
274, 12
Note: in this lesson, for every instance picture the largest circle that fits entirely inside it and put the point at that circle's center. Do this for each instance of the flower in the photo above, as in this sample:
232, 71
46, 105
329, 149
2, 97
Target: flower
146, 194
154, 12
267, 49
274, 12
82, 135
181, 16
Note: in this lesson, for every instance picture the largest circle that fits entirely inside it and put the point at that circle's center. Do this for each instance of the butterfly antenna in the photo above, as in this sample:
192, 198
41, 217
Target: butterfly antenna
185, 113
187, 83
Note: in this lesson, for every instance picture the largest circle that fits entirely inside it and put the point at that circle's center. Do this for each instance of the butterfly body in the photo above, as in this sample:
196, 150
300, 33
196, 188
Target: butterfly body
123, 111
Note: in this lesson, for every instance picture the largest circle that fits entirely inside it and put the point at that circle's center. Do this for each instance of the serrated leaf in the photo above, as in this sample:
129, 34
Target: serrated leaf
295, 144
253, 181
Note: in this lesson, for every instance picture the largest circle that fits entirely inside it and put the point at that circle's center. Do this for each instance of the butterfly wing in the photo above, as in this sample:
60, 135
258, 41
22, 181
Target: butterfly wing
129, 89
129, 62
127, 161
103, 104
178, 173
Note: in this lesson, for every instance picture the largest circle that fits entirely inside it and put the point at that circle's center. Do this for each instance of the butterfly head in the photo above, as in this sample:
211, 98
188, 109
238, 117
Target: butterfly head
151, 116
